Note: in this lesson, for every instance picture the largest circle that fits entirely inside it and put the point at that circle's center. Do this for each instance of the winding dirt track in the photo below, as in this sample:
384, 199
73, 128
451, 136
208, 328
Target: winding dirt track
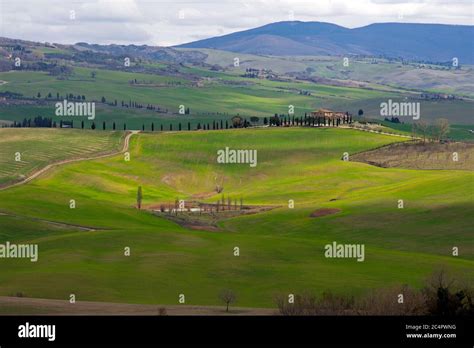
52, 165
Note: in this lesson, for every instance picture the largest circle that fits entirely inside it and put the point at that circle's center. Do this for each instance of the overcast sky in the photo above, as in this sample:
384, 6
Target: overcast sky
168, 22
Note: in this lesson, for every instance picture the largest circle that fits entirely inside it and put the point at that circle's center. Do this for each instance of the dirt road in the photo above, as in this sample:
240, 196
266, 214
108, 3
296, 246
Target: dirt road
39, 306
52, 165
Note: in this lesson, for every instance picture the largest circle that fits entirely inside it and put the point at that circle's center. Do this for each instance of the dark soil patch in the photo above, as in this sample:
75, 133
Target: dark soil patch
324, 212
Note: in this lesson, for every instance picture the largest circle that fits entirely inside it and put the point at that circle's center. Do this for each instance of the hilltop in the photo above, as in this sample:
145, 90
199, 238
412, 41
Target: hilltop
424, 42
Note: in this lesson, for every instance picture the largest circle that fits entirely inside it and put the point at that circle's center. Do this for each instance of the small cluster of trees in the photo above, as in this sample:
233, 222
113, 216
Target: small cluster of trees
308, 121
441, 295
11, 95
392, 119
251, 73
38, 121
224, 204
229, 204
436, 131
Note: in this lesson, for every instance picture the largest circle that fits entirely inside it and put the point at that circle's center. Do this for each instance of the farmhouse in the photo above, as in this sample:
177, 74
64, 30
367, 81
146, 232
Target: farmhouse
332, 116
329, 114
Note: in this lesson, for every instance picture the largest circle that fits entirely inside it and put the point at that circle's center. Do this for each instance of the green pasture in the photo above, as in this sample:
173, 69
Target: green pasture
281, 251
23, 151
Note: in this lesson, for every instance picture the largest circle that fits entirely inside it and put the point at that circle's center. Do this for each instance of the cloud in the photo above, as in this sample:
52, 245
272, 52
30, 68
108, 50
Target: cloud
168, 22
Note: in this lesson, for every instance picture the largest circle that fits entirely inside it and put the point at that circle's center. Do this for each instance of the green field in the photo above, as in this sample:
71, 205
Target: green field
35, 149
220, 95
281, 251
456, 132
244, 96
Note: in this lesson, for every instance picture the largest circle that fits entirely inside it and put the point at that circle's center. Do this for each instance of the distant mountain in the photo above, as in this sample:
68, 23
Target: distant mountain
428, 42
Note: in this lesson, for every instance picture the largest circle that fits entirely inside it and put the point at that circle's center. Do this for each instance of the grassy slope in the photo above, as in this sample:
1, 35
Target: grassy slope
39, 148
281, 250
456, 132
260, 97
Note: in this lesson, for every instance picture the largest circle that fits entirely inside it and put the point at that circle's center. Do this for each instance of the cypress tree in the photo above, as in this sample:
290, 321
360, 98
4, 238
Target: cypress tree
139, 197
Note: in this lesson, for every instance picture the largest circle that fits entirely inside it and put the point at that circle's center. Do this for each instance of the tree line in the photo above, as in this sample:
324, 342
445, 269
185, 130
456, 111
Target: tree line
235, 122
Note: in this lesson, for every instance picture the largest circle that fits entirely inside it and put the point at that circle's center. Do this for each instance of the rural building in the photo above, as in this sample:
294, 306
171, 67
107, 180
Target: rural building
331, 115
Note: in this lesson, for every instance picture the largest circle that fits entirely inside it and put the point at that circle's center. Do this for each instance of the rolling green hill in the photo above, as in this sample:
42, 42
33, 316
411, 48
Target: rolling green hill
36, 149
281, 250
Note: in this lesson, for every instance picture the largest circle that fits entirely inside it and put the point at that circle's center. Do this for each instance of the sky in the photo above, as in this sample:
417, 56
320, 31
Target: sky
171, 22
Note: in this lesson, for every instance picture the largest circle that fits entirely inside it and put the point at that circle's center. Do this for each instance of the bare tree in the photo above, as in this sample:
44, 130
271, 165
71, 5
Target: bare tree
396, 300
228, 297
441, 128
219, 185
423, 128
414, 129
